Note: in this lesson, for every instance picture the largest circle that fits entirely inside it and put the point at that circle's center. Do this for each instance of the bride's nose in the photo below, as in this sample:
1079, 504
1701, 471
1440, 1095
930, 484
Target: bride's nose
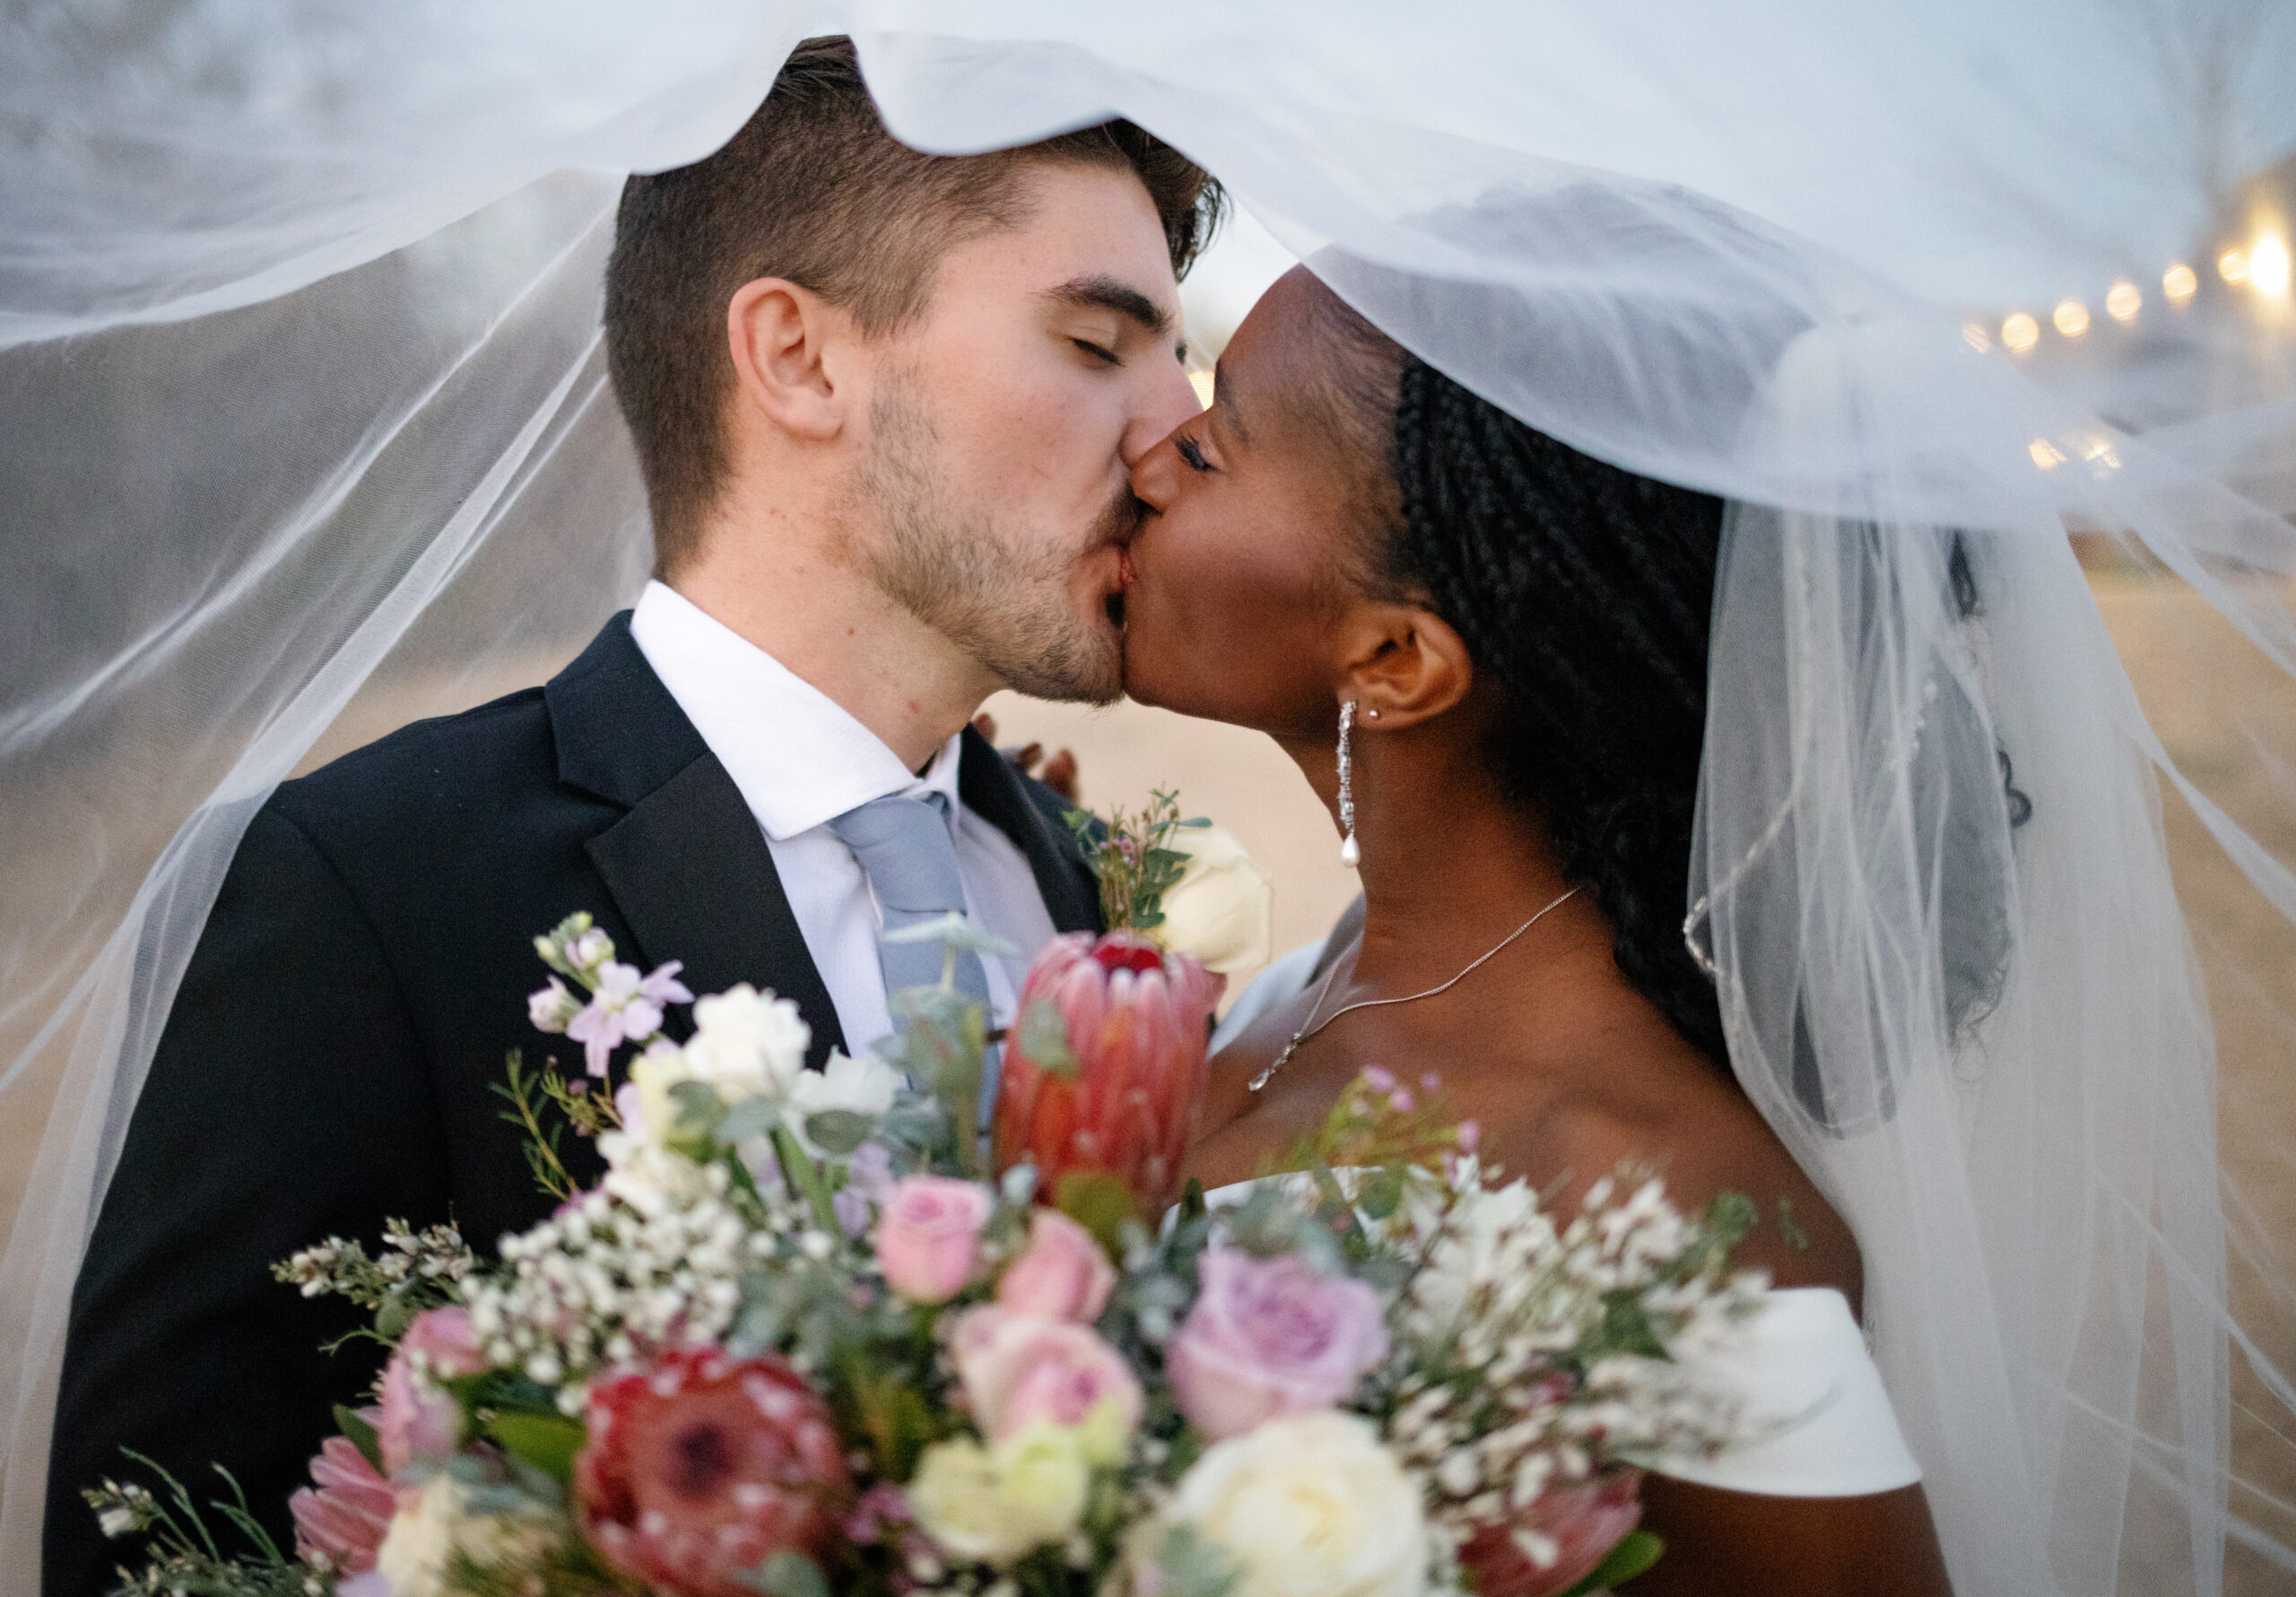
1155, 475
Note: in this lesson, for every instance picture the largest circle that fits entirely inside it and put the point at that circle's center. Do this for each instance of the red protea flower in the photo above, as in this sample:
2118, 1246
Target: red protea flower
1113, 1090
1572, 1527
700, 1468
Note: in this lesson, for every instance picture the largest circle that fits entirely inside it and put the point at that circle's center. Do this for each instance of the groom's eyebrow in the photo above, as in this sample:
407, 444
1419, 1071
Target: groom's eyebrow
1108, 293
1223, 399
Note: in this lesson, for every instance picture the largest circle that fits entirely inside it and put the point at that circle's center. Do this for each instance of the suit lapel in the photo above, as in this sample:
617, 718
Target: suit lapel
688, 866
692, 873
996, 792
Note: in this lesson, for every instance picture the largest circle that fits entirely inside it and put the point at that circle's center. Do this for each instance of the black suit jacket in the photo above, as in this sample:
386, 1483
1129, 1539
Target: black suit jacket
328, 1062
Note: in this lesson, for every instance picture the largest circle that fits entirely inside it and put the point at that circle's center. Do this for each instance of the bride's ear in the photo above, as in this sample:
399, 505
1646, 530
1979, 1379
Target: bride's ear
787, 346
1410, 666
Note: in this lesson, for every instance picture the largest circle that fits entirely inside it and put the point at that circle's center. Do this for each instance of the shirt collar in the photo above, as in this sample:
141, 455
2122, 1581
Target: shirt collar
798, 756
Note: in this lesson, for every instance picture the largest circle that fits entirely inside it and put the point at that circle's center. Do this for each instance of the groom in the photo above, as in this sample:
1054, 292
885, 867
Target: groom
886, 404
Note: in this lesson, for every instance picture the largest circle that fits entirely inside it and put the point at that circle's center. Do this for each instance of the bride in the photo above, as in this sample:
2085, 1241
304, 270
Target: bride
1511, 636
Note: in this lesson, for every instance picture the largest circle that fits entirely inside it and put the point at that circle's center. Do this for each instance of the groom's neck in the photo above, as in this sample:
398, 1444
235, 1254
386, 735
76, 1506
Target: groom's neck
788, 592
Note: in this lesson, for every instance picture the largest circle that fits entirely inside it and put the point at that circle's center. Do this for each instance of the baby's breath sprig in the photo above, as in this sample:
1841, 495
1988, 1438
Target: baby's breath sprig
1132, 856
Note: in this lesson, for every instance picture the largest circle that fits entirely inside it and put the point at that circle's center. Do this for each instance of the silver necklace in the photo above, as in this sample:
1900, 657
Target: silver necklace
1324, 991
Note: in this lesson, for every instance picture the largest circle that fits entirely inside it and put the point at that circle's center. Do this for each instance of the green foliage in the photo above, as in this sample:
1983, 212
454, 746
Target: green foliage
1133, 857
1100, 1203
791, 1574
185, 1558
1631, 1556
1043, 1037
547, 1441
361, 1436
526, 1092
1195, 1565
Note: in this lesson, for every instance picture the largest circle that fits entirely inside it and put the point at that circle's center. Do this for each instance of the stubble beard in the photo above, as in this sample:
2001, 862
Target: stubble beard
946, 564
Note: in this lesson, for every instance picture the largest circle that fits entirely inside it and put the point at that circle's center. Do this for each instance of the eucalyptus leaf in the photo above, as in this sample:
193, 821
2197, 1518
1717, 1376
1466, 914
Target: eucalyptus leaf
838, 1132
698, 1109
955, 930
750, 1117
790, 1572
1043, 1035
1193, 1565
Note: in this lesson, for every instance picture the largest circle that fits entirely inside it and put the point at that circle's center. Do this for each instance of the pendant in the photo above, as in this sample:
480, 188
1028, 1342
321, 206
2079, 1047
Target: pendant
1274, 1064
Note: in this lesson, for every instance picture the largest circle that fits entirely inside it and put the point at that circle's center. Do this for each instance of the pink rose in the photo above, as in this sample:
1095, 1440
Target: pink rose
420, 1423
928, 1235
344, 1514
1269, 1337
1580, 1525
1020, 1370
1062, 1274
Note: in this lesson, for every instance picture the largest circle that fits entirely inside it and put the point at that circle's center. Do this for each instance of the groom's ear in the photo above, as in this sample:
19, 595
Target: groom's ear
1408, 664
791, 351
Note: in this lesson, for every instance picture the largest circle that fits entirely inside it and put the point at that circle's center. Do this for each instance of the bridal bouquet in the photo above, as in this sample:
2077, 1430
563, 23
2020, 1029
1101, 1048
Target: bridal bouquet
812, 1334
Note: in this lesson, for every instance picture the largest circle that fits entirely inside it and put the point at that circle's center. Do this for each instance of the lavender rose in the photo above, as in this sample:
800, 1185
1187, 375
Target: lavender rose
1269, 1337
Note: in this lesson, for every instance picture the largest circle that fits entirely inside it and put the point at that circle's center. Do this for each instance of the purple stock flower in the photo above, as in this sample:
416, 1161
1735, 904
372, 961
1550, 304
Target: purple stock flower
626, 1007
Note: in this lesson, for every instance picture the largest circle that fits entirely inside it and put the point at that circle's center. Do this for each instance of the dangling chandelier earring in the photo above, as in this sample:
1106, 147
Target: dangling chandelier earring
1348, 853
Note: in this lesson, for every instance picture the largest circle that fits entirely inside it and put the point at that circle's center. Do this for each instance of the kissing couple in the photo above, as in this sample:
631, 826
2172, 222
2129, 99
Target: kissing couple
914, 429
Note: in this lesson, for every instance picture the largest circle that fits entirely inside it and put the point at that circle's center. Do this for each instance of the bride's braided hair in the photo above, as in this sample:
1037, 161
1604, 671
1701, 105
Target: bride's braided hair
1585, 593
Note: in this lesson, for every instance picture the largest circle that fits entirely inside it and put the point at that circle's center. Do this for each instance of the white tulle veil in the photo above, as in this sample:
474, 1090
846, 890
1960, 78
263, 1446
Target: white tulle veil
306, 432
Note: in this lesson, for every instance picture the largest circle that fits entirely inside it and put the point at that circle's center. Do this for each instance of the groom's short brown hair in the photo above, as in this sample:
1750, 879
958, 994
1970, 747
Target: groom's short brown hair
814, 189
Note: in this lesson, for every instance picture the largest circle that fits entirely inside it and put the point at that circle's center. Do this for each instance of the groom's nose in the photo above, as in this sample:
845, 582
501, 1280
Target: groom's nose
1168, 399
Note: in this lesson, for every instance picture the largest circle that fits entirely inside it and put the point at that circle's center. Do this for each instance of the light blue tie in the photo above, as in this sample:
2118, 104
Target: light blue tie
905, 848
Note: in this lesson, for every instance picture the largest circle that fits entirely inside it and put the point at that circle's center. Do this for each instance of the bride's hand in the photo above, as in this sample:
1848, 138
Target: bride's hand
1057, 771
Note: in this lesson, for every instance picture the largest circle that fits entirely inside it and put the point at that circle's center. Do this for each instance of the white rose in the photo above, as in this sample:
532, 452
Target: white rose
425, 1535
862, 1087
747, 1044
1222, 908
1309, 1506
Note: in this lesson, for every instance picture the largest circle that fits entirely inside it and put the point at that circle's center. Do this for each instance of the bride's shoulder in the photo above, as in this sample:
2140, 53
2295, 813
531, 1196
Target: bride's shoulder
1692, 1127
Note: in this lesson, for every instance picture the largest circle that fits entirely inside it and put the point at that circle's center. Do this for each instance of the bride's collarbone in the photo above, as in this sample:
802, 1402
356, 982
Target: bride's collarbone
1562, 1110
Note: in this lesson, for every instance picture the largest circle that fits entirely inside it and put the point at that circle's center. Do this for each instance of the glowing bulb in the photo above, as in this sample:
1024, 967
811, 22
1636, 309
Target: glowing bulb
2122, 302
1976, 337
2021, 332
2071, 317
2179, 283
2046, 455
1201, 381
2233, 265
2269, 266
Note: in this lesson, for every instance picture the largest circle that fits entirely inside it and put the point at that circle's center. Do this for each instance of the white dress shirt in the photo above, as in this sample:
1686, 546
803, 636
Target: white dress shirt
800, 760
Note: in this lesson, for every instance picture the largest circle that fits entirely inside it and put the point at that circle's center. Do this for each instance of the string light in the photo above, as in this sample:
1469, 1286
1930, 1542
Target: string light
2019, 333
2268, 264
2123, 301
1974, 334
2232, 266
2046, 455
2071, 317
2179, 283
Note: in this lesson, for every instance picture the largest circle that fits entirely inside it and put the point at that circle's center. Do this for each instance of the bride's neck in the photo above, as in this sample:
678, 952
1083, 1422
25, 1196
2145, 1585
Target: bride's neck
1449, 865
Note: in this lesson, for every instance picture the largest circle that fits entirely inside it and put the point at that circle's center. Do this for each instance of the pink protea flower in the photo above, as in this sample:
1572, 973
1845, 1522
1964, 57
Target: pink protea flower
344, 1514
419, 1423
1122, 1103
700, 1468
1573, 1528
